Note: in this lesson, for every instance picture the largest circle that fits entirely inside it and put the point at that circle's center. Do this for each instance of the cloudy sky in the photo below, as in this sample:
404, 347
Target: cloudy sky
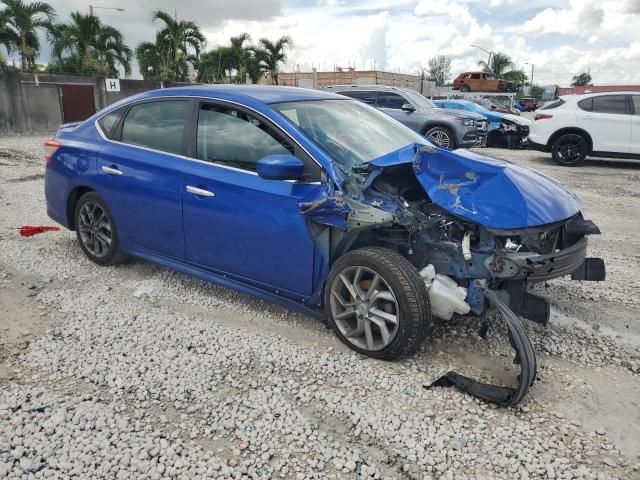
561, 38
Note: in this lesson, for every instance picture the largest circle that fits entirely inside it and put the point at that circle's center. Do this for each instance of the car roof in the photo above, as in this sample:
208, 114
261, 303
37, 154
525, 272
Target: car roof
366, 87
267, 94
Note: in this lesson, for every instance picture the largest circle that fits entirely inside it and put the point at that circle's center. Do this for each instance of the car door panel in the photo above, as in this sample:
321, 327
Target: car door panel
251, 228
607, 120
634, 146
142, 185
391, 104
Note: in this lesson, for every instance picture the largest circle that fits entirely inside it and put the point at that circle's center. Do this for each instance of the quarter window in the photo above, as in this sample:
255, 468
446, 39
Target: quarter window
391, 100
157, 125
231, 137
610, 104
109, 122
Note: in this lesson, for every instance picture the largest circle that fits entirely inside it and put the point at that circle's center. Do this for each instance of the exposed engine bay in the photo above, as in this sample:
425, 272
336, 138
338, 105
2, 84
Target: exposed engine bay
472, 256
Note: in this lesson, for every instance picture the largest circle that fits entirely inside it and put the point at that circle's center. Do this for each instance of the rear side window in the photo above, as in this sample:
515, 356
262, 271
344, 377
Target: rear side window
636, 104
391, 100
610, 104
475, 76
234, 138
365, 97
157, 125
556, 104
109, 122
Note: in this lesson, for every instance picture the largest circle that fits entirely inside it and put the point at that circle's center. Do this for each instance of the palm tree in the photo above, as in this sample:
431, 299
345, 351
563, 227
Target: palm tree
91, 46
240, 55
177, 40
153, 59
269, 54
499, 64
22, 23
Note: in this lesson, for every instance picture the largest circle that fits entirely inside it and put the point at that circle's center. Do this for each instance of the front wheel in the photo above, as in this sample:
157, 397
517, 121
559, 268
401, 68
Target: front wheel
377, 304
570, 150
465, 88
442, 137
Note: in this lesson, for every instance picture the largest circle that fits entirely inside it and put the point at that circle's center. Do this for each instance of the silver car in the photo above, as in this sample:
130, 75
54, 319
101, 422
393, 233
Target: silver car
449, 129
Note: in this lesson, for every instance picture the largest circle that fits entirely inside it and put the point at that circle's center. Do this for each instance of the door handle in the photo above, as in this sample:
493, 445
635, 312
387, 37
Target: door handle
111, 170
200, 191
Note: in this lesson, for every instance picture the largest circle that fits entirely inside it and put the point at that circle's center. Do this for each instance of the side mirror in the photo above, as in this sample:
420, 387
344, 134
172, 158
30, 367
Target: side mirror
407, 107
280, 167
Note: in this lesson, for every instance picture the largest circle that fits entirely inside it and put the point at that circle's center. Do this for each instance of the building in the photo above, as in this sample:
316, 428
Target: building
348, 76
598, 89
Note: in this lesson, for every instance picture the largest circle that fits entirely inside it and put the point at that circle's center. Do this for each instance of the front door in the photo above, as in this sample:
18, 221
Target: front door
607, 119
391, 104
235, 222
140, 175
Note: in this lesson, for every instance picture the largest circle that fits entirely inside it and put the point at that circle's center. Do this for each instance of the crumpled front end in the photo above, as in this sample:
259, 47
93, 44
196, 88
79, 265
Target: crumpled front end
480, 231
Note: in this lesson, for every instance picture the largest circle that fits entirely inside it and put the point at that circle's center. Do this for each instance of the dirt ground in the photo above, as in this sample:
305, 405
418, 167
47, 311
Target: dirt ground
57, 311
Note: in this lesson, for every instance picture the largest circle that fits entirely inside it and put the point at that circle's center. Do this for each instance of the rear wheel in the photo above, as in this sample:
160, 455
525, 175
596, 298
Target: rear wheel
377, 304
96, 230
442, 137
570, 150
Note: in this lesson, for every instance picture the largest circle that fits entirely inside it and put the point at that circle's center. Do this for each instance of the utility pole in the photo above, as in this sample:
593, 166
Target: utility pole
93, 7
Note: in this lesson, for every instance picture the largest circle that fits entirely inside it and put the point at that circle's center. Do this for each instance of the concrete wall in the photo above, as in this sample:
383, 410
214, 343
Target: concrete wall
346, 77
30, 103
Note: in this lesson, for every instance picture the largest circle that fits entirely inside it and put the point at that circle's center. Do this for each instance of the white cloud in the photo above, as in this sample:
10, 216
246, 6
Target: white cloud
580, 18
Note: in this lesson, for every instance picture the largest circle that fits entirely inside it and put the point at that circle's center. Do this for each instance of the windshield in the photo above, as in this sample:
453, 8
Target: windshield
349, 131
418, 100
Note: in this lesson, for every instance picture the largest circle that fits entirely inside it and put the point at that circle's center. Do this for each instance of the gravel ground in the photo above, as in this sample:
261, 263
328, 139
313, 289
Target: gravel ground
135, 371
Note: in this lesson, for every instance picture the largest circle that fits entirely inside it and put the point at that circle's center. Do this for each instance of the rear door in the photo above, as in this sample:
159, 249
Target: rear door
391, 104
607, 119
140, 175
635, 124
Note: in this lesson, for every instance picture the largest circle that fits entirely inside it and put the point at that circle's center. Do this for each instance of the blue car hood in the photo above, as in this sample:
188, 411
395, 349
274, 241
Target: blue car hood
494, 193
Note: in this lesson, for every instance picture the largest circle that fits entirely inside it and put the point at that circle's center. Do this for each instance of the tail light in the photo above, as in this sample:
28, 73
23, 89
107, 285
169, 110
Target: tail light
542, 116
50, 148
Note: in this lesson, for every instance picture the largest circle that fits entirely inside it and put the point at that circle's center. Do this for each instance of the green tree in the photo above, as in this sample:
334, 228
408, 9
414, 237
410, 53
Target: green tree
439, 70
180, 43
537, 91
499, 64
270, 54
518, 77
87, 46
153, 59
214, 65
581, 80
22, 23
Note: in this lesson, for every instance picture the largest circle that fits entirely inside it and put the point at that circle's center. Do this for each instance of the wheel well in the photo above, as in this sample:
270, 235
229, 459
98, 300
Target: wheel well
72, 201
577, 131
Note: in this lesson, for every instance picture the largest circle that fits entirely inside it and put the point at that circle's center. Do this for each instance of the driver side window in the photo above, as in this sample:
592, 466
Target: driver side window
232, 137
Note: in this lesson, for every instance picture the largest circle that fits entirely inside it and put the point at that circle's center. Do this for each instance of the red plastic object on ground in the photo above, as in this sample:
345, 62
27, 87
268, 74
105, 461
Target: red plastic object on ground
30, 230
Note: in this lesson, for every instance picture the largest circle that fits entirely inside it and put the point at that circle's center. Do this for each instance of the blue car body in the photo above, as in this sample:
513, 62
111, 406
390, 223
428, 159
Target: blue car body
275, 238
494, 118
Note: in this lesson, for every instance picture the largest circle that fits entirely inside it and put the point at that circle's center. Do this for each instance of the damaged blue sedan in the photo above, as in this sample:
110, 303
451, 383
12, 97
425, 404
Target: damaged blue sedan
324, 205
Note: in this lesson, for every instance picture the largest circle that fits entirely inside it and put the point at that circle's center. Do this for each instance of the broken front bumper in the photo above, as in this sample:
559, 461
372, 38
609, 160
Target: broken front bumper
538, 268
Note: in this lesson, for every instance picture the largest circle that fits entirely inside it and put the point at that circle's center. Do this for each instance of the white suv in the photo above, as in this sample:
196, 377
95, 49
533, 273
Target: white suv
597, 124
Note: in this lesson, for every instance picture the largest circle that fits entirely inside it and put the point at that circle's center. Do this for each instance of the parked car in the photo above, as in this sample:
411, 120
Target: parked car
481, 82
592, 124
505, 130
322, 204
493, 106
527, 104
445, 129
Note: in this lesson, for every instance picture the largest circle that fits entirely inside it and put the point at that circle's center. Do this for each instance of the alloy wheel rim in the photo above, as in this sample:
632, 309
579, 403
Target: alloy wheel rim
441, 138
364, 308
95, 229
569, 151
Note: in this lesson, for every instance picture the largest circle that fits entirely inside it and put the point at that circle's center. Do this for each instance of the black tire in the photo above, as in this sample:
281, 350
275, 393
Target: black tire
570, 150
411, 301
93, 222
465, 88
441, 132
